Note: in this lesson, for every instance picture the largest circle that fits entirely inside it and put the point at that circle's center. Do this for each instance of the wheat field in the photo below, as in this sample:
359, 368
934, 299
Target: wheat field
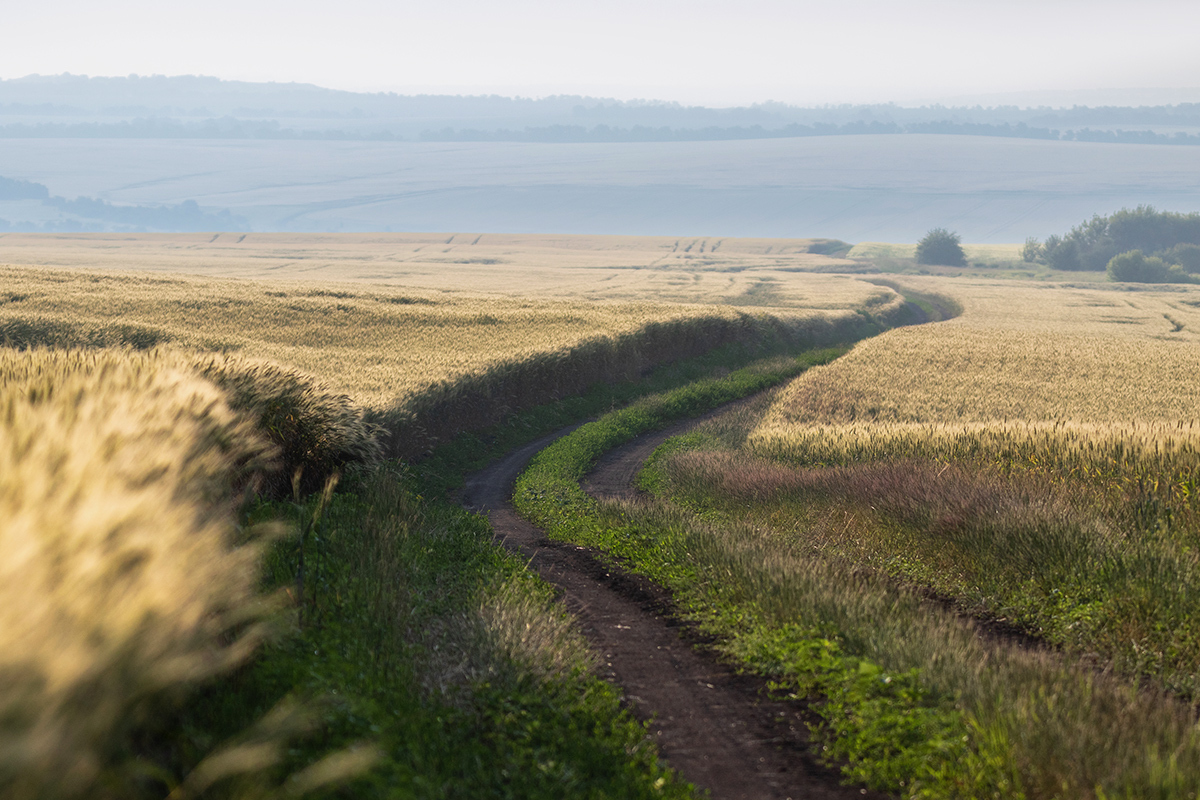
122, 577
1093, 363
1032, 463
140, 405
376, 343
629, 268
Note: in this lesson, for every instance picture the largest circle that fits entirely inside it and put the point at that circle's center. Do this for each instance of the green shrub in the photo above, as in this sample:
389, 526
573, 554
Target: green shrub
1134, 267
941, 247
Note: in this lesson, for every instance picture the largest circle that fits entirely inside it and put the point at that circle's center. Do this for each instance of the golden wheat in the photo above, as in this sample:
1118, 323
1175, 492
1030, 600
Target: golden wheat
693, 269
121, 578
376, 344
1092, 378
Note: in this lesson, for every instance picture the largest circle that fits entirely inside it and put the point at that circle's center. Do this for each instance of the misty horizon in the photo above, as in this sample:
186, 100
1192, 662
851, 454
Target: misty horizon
697, 53
864, 120
1032, 99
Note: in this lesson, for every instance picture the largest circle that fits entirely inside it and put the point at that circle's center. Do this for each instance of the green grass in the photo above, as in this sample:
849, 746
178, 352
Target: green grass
908, 698
884, 728
1060, 567
421, 640
443, 469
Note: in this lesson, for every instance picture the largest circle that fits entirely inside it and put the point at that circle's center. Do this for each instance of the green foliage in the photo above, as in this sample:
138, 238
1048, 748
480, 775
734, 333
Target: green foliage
1186, 255
884, 728
1032, 250
470, 682
941, 247
829, 247
1134, 267
1144, 228
1092, 244
1061, 253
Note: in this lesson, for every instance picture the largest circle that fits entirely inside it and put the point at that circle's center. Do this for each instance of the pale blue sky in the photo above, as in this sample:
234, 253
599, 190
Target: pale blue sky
695, 51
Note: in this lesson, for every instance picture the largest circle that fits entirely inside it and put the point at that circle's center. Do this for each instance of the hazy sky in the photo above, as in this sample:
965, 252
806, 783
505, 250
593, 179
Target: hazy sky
696, 51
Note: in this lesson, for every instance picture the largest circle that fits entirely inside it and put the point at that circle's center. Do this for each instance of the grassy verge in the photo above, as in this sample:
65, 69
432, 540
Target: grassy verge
1057, 561
484, 401
417, 638
443, 467
910, 699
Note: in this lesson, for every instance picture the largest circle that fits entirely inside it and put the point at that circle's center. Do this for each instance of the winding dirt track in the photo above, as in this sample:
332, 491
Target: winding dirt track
712, 725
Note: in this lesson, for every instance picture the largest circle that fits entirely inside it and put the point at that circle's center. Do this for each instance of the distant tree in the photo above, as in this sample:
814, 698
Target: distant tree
1061, 253
1150, 231
1032, 250
1093, 244
1186, 255
1135, 267
941, 247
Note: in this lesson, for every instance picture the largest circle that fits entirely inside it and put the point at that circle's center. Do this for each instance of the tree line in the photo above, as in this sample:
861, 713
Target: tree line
1139, 244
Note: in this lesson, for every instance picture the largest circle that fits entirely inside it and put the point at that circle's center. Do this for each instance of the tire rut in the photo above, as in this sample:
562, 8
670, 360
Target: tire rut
714, 726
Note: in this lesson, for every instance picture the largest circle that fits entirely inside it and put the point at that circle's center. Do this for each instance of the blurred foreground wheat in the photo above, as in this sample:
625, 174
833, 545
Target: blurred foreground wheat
125, 579
121, 577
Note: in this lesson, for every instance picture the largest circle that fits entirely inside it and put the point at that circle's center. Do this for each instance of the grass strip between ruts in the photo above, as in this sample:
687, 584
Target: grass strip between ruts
885, 729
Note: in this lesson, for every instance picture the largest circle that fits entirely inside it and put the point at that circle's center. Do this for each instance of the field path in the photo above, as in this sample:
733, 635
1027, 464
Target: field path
711, 724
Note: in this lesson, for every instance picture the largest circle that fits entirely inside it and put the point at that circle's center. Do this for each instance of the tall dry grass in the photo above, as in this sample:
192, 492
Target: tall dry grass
822, 548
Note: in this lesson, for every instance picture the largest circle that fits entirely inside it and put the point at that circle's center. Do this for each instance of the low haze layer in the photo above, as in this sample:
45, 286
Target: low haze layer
855, 188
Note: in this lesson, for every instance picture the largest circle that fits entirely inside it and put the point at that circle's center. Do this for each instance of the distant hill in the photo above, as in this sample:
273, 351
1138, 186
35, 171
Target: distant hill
75, 106
60, 215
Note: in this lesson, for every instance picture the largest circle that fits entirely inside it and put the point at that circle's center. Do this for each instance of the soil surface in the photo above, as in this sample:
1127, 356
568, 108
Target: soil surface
717, 728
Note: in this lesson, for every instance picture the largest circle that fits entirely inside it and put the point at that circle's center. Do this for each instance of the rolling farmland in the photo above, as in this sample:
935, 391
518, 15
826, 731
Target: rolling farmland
156, 423
856, 188
297, 406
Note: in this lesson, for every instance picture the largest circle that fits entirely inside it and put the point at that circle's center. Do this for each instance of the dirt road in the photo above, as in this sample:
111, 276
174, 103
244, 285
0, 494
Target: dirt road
712, 725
